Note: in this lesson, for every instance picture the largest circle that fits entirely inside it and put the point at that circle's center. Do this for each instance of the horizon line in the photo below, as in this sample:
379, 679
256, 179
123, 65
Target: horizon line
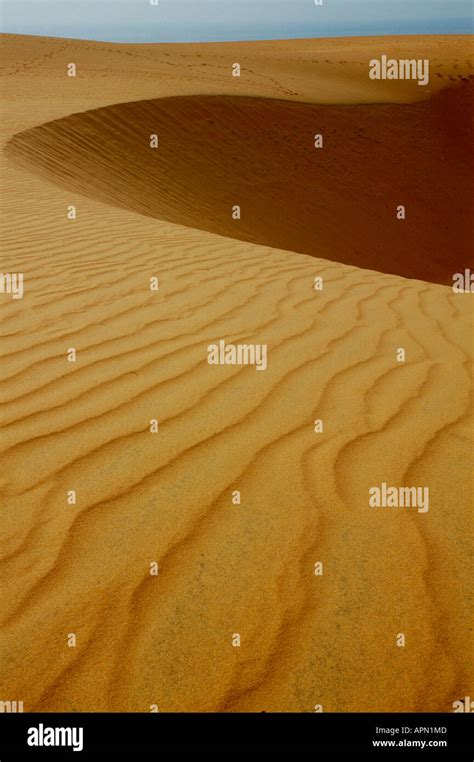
234, 41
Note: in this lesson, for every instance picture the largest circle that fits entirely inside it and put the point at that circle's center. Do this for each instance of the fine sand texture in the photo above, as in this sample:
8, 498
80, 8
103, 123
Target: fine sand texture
81, 567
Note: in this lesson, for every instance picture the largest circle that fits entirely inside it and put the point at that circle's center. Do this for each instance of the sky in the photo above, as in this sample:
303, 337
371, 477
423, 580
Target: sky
212, 20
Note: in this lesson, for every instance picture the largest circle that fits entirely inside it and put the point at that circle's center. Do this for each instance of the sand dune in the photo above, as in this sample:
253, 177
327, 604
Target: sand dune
339, 201
317, 71
167, 498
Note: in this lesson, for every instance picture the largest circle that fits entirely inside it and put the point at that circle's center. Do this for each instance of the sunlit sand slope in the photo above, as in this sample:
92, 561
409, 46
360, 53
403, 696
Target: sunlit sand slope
332, 70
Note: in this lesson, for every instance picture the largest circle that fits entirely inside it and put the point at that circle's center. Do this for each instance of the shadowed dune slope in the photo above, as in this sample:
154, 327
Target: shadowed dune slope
338, 202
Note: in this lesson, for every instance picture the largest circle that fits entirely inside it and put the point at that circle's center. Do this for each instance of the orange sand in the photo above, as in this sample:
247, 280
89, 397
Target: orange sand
225, 568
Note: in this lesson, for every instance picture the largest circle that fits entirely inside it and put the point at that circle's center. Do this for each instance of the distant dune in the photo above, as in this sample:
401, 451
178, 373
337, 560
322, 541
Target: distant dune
314, 71
83, 568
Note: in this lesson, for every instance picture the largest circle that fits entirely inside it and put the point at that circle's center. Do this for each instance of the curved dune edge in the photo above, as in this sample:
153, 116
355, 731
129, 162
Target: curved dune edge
338, 202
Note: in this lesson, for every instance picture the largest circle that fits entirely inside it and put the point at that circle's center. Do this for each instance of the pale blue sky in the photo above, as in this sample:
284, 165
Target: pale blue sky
204, 20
